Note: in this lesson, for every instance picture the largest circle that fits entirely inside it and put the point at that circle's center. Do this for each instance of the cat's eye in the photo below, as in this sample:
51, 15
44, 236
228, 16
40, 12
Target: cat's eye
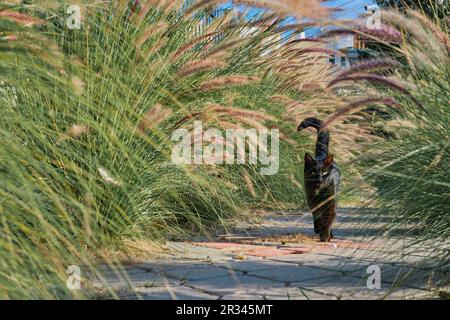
326, 172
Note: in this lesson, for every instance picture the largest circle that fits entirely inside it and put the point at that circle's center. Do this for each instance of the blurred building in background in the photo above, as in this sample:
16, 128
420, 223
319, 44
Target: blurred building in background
352, 48
356, 48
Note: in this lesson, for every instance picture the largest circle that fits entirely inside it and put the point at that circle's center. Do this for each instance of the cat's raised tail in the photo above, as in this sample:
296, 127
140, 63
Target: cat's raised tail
323, 136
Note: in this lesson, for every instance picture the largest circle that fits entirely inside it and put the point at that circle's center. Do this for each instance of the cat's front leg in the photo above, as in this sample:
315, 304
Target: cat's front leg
317, 223
327, 221
325, 235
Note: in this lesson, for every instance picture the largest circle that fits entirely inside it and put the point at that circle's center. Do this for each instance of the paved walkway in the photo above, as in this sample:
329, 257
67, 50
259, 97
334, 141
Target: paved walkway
281, 259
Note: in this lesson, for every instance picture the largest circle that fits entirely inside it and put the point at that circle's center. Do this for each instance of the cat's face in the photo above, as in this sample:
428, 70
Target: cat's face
317, 170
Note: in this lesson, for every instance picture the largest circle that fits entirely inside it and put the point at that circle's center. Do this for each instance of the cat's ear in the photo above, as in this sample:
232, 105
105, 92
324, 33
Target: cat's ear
328, 160
308, 159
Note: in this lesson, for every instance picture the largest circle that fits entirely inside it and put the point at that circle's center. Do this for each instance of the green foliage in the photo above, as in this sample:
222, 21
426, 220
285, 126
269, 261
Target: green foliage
430, 7
79, 172
87, 118
410, 168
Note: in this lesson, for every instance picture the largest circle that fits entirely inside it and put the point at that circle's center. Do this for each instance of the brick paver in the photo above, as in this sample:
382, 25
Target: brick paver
258, 263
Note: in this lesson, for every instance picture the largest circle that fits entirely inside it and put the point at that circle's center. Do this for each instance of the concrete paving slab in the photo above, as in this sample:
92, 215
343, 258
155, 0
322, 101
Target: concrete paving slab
230, 284
293, 273
239, 267
173, 293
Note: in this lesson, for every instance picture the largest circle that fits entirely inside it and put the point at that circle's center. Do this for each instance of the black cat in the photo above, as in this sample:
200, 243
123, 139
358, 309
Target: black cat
322, 178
